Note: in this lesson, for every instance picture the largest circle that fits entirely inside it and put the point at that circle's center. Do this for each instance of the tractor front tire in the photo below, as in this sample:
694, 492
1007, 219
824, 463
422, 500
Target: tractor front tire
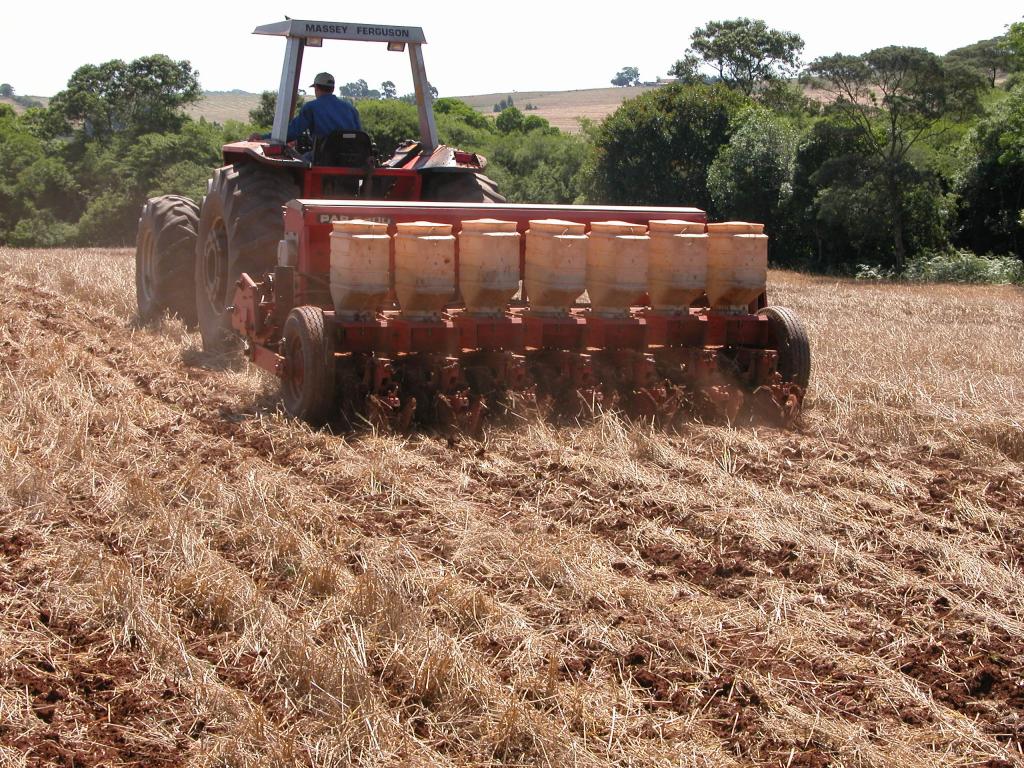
240, 225
307, 381
793, 345
165, 258
460, 187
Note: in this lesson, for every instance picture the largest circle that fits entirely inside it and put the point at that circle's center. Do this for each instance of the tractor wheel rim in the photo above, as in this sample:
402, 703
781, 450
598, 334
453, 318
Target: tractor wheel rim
294, 373
147, 267
215, 266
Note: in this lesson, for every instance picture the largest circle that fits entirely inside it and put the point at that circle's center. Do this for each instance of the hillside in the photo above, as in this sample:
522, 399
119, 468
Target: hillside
189, 578
19, 108
562, 109
221, 106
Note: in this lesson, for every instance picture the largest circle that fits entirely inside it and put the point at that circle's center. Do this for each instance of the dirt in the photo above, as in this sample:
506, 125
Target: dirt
752, 629
90, 706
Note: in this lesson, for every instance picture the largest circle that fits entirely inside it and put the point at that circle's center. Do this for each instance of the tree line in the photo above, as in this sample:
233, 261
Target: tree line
890, 161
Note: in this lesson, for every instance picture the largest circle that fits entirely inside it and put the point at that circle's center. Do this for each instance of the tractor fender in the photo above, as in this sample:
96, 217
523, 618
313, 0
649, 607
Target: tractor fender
447, 159
272, 155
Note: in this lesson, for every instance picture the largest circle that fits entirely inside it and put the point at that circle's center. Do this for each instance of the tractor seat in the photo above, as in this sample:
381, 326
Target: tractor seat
345, 149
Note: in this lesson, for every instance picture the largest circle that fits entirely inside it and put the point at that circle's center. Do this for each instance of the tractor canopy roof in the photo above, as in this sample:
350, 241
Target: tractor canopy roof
342, 30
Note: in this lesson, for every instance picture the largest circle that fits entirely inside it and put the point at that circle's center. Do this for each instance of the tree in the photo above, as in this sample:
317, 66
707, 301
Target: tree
988, 57
390, 123
463, 112
743, 52
687, 70
991, 185
410, 98
388, 90
358, 90
627, 76
538, 166
1013, 42
510, 120
145, 95
262, 115
752, 177
6, 91
656, 149
895, 97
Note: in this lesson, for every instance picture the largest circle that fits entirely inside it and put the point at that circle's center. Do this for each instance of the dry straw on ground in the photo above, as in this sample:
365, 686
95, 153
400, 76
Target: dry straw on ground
189, 578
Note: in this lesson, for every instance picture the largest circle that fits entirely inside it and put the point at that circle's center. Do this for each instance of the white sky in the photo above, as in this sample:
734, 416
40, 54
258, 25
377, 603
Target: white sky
473, 47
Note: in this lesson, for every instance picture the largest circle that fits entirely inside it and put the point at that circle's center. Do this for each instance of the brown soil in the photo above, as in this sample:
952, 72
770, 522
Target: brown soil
189, 577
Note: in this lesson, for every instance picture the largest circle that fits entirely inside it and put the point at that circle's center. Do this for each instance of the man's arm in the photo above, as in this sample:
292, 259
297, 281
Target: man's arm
301, 122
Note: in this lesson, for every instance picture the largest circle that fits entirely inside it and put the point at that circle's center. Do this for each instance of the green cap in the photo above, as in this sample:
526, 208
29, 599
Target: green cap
324, 80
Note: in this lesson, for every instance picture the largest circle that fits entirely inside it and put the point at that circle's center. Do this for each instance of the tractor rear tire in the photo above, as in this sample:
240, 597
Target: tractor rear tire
165, 249
240, 226
791, 341
307, 382
455, 187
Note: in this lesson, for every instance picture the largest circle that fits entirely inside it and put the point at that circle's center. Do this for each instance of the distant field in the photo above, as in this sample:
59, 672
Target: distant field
219, 106
18, 109
562, 109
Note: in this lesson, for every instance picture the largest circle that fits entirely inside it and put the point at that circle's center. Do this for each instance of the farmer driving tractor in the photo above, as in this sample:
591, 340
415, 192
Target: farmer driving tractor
321, 116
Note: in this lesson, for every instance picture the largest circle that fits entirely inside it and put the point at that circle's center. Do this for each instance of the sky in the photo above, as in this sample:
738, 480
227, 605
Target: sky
472, 47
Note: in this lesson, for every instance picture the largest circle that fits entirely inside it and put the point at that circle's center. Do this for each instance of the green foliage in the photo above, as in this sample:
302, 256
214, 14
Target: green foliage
389, 123
358, 90
743, 52
471, 136
539, 166
143, 96
40, 229
853, 205
510, 120
1013, 43
751, 179
461, 111
899, 155
656, 149
111, 217
989, 58
6, 91
991, 183
388, 90
961, 266
895, 97
627, 76
262, 115
787, 99
44, 123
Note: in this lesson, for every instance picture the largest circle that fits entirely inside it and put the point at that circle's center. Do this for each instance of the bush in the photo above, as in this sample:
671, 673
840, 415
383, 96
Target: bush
752, 177
960, 266
656, 149
538, 167
110, 219
463, 112
390, 123
40, 229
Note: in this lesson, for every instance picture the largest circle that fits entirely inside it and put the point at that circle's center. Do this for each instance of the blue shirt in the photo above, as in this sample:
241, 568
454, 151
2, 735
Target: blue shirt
323, 115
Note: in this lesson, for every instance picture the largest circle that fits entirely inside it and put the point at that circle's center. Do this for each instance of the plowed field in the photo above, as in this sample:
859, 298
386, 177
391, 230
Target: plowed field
189, 578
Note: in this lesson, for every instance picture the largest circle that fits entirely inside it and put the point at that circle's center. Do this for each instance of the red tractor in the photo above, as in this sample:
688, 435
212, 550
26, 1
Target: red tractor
189, 257
258, 261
